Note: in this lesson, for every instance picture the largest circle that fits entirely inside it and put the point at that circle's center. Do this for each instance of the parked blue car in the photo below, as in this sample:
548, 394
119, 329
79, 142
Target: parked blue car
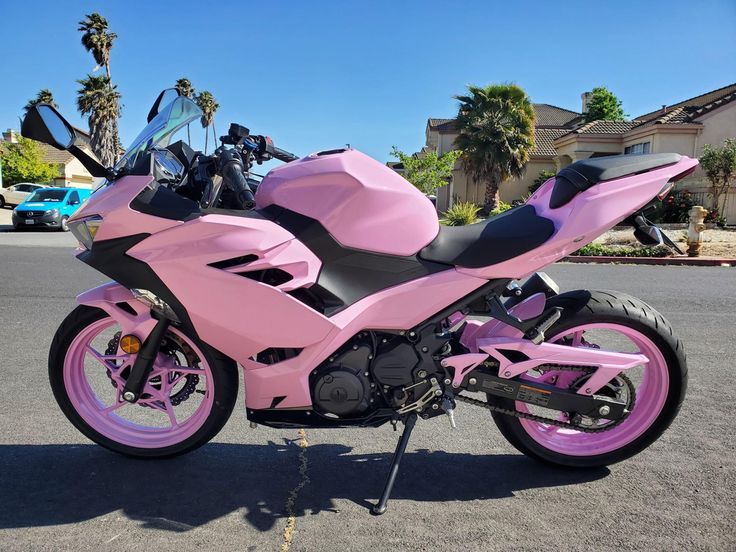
49, 207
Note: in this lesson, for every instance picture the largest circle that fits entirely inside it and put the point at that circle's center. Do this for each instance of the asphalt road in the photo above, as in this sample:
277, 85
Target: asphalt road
462, 489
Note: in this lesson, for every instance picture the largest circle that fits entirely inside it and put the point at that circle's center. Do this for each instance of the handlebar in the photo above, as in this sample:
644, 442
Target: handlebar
278, 153
231, 168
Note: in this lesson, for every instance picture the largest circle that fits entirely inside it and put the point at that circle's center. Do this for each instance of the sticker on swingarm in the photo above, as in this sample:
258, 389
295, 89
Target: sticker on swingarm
499, 387
533, 395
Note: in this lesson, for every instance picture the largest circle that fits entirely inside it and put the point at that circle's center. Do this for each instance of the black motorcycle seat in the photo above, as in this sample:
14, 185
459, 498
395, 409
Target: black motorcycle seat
492, 241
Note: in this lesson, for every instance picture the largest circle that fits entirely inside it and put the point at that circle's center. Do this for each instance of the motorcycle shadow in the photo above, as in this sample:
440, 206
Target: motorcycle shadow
42, 485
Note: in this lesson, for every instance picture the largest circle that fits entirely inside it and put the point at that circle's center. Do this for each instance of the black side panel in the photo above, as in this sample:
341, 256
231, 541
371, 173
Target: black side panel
110, 258
164, 203
349, 274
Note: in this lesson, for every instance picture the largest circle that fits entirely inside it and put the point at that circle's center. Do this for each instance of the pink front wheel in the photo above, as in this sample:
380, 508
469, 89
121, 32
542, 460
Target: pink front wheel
186, 400
612, 321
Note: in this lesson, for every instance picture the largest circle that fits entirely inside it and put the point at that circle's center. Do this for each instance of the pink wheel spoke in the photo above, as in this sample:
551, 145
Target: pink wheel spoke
114, 407
103, 359
170, 412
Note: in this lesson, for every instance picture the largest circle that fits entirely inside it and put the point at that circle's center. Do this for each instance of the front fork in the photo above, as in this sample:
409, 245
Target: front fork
135, 319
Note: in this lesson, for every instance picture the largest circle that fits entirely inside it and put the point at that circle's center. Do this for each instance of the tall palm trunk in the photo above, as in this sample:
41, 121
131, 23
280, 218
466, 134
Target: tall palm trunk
490, 197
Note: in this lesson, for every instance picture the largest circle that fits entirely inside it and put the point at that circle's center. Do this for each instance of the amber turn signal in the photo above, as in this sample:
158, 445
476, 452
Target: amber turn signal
130, 344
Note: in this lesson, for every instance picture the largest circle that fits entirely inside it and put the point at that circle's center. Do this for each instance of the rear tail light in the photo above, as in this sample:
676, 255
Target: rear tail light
666, 190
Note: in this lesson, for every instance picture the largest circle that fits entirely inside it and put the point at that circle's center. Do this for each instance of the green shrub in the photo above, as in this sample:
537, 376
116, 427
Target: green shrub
543, 177
600, 250
500, 208
460, 214
675, 207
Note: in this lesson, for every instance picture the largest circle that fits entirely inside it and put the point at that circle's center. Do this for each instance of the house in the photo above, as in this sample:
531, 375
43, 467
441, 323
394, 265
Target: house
562, 137
71, 171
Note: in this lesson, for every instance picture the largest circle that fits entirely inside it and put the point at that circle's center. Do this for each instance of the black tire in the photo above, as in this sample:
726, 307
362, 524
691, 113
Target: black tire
224, 374
2, 202
583, 307
63, 226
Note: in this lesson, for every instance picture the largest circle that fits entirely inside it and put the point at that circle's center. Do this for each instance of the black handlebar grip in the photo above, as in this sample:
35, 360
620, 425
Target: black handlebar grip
283, 155
232, 174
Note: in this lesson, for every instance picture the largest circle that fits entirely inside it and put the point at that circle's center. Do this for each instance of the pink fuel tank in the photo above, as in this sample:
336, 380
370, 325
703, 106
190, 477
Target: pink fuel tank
361, 202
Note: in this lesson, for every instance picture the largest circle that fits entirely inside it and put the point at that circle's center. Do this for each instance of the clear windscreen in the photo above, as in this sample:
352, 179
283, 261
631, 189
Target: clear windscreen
159, 131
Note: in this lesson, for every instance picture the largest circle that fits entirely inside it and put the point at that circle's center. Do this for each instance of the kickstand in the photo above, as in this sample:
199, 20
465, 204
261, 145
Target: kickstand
382, 505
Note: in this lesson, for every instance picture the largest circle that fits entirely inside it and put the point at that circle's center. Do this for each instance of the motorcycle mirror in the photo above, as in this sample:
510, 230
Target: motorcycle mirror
44, 124
166, 96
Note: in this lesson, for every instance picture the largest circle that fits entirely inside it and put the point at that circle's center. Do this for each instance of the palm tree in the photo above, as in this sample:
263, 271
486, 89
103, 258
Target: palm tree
496, 135
97, 40
185, 88
208, 105
43, 96
101, 102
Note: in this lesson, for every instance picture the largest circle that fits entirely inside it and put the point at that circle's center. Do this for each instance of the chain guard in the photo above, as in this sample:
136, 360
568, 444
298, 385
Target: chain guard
558, 423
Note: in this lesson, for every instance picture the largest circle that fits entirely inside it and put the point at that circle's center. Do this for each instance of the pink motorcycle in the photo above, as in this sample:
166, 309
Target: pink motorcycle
334, 288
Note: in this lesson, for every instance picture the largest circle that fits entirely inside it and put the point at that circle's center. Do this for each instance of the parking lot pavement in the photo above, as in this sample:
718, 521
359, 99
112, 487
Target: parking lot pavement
465, 489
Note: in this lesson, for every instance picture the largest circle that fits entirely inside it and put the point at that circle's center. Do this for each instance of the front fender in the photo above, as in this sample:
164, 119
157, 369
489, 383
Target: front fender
133, 316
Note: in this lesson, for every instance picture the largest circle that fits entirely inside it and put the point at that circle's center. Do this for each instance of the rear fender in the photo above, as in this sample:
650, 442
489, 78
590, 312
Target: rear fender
133, 316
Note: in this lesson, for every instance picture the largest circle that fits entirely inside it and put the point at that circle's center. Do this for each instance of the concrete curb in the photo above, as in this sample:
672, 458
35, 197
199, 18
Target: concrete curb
660, 261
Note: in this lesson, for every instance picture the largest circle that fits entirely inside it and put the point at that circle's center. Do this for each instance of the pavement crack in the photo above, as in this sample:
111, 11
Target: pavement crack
290, 528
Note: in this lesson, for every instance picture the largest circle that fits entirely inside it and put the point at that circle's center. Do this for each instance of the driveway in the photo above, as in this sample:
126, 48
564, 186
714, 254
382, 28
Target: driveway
464, 489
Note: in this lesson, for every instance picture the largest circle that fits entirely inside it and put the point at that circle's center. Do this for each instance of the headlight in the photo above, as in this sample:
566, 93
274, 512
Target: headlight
52, 212
85, 229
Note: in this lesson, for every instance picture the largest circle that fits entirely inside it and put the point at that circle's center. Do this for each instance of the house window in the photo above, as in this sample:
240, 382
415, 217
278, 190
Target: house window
642, 147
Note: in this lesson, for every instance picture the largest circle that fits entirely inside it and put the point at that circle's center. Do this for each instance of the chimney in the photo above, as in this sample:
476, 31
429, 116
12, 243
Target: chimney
585, 97
9, 136
664, 109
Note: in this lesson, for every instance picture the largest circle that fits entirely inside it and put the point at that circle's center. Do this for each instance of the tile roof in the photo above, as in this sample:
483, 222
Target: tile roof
701, 101
442, 124
52, 155
549, 116
605, 127
544, 140
553, 116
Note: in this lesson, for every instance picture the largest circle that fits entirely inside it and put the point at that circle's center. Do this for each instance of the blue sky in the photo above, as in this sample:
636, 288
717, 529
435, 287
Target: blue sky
316, 75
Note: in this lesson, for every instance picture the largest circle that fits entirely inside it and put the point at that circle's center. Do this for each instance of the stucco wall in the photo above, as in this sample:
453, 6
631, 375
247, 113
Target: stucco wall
718, 125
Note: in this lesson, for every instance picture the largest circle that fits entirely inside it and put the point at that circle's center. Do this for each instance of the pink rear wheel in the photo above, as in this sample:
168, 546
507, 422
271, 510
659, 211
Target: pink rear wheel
654, 391
186, 400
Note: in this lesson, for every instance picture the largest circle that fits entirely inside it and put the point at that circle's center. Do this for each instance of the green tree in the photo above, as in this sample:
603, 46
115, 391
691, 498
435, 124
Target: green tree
43, 96
719, 165
496, 135
206, 102
22, 161
103, 108
603, 105
429, 171
101, 103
